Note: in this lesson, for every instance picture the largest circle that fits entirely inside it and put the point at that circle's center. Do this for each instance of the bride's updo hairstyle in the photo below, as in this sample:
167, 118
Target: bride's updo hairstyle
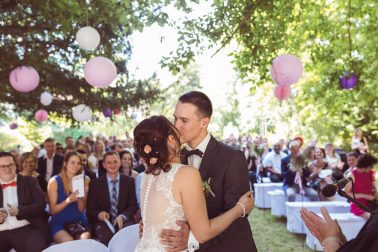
150, 142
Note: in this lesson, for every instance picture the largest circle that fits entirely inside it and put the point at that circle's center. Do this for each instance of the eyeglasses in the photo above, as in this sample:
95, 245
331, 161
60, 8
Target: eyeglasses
10, 166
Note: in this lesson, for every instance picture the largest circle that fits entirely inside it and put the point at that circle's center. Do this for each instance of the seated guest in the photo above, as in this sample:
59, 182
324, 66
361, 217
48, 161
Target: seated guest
272, 163
364, 191
352, 162
28, 165
111, 197
50, 164
23, 222
295, 175
127, 164
87, 171
68, 221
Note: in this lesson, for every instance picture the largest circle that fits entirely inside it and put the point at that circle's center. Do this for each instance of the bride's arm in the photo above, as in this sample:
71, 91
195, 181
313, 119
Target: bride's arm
188, 182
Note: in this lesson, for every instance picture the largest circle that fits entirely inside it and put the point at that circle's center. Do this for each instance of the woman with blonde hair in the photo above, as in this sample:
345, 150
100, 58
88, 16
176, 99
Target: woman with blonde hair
28, 166
68, 221
359, 142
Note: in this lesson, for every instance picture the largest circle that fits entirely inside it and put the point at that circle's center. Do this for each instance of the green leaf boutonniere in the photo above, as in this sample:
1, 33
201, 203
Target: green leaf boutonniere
207, 188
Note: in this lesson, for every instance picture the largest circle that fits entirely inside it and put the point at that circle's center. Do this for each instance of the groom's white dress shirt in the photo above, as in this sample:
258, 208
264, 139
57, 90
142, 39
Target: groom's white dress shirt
195, 161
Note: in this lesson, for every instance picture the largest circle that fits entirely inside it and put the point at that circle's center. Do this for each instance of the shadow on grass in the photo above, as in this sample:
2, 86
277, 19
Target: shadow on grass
270, 233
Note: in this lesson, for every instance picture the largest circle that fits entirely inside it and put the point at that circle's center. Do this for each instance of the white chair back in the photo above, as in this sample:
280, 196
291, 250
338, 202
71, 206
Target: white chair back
78, 245
125, 240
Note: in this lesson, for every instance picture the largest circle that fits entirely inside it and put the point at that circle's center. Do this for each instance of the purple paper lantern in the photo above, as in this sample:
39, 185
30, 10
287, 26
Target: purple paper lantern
100, 72
286, 69
41, 115
348, 81
107, 112
13, 126
24, 79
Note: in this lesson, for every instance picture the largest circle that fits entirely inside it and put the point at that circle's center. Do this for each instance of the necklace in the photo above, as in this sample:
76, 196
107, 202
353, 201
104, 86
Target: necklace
149, 183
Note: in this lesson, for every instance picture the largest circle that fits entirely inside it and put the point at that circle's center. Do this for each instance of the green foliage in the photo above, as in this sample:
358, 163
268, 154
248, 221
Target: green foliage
327, 35
41, 33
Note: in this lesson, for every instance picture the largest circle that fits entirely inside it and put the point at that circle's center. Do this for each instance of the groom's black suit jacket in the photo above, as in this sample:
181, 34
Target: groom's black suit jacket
228, 171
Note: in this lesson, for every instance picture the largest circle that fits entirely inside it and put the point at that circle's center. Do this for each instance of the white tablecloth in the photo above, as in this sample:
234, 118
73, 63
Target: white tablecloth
262, 198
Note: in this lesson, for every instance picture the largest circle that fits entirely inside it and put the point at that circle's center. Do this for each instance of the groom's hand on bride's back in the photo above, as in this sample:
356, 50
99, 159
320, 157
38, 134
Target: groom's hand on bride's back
140, 229
176, 240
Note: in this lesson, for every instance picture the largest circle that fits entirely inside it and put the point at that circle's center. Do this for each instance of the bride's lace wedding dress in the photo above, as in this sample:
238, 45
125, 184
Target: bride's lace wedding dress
159, 209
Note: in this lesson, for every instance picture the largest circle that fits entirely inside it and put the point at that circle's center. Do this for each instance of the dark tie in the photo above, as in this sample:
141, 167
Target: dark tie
13, 183
188, 153
114, 201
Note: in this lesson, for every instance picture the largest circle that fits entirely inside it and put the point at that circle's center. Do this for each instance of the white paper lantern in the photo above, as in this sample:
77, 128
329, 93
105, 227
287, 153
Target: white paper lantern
46, 98
82, 113
88, 38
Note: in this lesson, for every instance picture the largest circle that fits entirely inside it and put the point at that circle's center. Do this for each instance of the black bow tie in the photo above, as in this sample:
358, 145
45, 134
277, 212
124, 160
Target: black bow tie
189, 153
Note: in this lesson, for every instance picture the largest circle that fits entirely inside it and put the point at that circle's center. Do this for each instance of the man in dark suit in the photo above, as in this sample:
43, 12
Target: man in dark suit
50, 164
111, 197
221, 167
23, 221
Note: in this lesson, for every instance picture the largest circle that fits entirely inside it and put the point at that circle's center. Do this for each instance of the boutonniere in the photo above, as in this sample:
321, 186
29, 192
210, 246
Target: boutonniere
207, 188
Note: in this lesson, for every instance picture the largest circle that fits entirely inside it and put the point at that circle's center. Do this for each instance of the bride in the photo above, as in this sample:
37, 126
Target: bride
171, 191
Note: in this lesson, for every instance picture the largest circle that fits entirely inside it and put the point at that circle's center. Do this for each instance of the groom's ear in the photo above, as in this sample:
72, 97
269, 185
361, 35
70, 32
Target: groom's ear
205, 122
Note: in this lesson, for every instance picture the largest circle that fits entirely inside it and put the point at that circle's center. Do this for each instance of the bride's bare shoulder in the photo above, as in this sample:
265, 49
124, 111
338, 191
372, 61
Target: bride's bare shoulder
187, 172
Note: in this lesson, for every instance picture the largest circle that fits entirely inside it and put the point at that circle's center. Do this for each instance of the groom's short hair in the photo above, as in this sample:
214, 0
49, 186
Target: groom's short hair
200, 100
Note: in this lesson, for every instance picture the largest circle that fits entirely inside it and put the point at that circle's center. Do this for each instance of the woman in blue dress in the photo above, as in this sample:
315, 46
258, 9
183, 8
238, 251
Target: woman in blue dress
66, 208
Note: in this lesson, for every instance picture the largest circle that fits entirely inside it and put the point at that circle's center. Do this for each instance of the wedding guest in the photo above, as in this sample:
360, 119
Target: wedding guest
365, 190
23, 221
127, 164
352, 162
50, 164
59, 150
111, 197
272, 163
69, 141
87, 171
68, 221
295, 175
28, 166
98, 153
359, 142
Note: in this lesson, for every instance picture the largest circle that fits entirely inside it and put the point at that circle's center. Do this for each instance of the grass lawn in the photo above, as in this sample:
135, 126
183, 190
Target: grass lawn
270, 233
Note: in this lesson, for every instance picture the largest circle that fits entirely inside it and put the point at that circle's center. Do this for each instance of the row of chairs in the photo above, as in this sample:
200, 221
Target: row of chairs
124, 240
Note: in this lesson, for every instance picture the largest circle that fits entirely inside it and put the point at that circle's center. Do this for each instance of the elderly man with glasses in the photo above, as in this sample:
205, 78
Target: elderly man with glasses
23, 225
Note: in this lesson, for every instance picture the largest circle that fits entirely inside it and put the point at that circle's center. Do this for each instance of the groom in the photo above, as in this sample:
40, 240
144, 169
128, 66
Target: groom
222, 168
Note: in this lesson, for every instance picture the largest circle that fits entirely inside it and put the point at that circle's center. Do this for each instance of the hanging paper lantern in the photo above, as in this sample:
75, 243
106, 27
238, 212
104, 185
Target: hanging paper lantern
117, 111
82, 113
134, 115
348, 81
100, 72
24, 78
282, 92
13, 126
286, 69
46, 98
41, 115
107, 112
88, 38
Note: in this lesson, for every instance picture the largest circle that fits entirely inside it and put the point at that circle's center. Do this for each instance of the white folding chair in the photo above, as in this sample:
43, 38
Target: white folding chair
78, 245
125, 240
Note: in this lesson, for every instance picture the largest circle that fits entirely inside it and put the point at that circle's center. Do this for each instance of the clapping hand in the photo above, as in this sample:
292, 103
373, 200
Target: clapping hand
13, 211
322, 228
118, 222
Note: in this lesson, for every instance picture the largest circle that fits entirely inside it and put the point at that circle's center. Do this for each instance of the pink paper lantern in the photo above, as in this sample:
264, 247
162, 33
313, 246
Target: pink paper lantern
286, 69
282, 92
41, 115
24, 78
100, 72
117, 111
